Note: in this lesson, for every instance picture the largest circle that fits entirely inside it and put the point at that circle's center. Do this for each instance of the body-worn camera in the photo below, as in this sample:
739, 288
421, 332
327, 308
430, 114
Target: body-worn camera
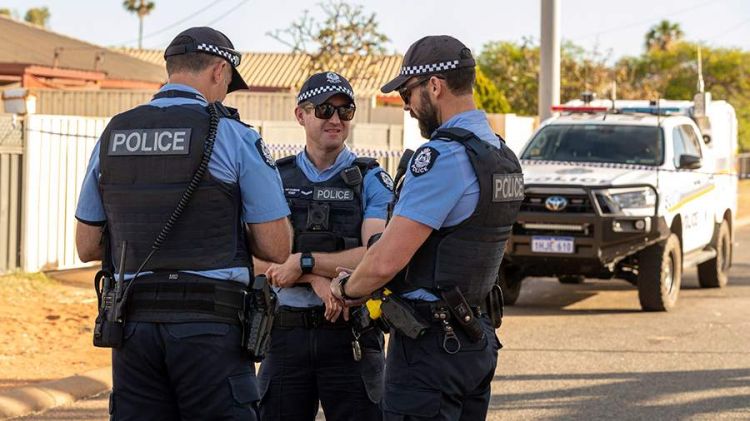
317, 216
257, 318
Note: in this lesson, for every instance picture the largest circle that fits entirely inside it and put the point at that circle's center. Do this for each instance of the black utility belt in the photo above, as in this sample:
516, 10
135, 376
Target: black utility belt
432, 310
309, 318
184, 297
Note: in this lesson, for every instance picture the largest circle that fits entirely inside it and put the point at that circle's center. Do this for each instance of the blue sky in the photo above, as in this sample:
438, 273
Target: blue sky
613, 27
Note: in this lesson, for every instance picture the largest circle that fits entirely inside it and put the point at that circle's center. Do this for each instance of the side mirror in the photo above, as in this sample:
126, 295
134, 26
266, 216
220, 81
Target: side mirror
690, 162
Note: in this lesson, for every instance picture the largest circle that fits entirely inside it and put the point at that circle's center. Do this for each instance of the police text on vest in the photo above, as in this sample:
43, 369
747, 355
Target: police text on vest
149, 142
507, 187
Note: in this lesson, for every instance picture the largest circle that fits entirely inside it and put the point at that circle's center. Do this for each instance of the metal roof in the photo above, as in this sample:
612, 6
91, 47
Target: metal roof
287, 71
28, 44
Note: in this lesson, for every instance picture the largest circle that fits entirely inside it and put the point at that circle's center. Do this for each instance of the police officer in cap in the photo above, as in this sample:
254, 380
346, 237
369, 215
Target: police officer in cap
338, 201
181, 356
454, 212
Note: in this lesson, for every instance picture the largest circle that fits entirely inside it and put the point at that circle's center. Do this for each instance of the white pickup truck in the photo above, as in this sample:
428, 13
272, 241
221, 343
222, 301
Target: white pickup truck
640, 191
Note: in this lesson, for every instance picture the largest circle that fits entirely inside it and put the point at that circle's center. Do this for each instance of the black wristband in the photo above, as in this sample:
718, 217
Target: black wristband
306, 262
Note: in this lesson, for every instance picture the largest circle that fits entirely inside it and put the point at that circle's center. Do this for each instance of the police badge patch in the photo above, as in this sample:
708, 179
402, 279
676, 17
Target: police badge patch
424, 159
333, 77
385, 180
265, 153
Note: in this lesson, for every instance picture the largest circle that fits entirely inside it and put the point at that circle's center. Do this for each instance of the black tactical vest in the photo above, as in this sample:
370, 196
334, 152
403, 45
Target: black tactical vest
326, 216
147, 157
468, 255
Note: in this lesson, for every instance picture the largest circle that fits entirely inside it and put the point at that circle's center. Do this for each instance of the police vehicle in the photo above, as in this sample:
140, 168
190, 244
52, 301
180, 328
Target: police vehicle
635, 190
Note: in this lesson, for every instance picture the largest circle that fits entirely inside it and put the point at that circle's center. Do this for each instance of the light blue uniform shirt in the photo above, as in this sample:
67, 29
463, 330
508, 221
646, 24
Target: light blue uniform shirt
235, 159
375, 197
440, 188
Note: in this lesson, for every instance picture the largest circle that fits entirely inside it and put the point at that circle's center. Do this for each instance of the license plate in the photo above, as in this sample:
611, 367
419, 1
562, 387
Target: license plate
563, 245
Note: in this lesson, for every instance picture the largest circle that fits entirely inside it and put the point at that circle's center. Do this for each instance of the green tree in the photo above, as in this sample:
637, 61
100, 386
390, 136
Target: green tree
141, 8
37, 16
488, 97
663, 35
346, 33
6, 12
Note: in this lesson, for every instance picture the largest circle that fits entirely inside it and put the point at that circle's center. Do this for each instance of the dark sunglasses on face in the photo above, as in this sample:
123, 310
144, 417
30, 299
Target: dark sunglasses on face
405, 91
325, 111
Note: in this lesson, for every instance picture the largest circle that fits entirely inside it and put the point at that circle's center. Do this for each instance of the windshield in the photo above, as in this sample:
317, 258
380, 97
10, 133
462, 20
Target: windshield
597, 143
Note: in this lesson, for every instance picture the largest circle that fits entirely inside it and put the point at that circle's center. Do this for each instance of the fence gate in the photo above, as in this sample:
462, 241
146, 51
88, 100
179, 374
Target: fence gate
11, 153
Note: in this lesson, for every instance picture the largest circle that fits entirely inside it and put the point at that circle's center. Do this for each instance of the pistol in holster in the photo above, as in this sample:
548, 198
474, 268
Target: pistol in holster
401, 316
257, 317
494, 306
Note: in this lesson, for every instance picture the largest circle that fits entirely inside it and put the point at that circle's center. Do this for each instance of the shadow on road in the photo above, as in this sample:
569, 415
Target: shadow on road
647, 395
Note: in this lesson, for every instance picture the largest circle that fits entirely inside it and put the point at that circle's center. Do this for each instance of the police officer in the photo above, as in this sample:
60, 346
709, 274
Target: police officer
338, 201
181, 356
460, 197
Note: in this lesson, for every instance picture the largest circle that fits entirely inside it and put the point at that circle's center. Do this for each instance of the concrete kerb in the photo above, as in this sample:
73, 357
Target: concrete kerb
40, 397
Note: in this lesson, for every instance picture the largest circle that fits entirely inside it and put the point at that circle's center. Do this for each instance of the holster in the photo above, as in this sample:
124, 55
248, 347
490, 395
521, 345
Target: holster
462, 313
494, 306
257, 318
402, 317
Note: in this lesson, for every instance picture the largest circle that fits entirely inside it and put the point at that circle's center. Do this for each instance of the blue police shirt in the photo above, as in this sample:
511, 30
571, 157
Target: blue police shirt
440, 188
375, 197
234, 159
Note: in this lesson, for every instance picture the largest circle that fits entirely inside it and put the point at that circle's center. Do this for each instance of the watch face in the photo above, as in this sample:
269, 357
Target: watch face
307, 261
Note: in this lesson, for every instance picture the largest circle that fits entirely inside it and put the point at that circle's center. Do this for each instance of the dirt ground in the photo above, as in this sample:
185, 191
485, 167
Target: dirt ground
46, 323
46, 330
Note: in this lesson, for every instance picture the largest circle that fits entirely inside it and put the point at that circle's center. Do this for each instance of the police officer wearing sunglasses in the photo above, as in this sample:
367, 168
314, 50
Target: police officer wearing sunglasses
338, 201
445, 241
181, 356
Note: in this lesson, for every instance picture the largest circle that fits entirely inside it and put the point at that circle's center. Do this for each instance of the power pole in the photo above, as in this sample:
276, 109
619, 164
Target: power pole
549, 72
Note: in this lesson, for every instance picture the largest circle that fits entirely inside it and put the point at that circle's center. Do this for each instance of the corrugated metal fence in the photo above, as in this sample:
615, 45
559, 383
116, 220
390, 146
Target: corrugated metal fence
11, 150
56, 154
251, 105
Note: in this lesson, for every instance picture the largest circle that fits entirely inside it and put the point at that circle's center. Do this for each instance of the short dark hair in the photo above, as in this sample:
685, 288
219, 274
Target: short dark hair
460, 81
189, 62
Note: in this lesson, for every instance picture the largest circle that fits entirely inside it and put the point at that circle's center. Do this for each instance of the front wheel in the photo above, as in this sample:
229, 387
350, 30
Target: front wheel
660, 275
714, 273
510, 279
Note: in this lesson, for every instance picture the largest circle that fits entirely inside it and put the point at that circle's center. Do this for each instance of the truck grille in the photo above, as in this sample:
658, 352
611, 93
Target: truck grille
578, 204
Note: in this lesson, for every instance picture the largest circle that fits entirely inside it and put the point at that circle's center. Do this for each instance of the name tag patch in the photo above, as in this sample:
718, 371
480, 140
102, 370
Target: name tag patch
149, 142
333, 194
507, 187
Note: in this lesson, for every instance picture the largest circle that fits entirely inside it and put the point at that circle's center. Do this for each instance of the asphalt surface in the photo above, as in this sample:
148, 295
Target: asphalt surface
588, 352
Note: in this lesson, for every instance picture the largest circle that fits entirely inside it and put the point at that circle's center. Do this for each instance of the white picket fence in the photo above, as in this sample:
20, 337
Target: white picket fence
56, 153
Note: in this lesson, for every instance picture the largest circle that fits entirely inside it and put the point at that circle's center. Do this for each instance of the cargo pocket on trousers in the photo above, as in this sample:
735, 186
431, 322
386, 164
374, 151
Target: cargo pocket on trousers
372, 372
408, 400
244, 392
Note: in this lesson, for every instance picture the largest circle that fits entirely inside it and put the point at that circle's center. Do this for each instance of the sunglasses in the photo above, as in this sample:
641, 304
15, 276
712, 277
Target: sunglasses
405, 91
325, 111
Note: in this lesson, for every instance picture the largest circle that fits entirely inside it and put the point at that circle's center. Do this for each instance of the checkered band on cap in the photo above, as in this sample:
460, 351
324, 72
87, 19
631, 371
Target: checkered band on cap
429, 68
323, 89
219, 51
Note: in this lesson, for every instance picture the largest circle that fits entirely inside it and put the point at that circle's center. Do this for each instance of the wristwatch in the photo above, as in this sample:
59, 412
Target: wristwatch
306, 262
342, 283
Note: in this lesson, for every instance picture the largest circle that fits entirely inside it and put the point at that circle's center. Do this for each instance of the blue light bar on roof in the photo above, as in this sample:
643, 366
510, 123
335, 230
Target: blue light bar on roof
652, 110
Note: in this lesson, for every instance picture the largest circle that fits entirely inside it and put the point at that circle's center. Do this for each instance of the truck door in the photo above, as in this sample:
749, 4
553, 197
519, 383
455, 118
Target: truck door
696, 190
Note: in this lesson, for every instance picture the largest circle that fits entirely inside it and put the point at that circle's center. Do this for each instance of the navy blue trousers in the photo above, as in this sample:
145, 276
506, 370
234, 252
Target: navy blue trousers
182, 371
424, 382
307, 365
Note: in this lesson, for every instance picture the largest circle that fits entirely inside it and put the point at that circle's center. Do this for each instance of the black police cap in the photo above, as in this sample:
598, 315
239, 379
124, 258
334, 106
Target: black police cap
431, 55
207, 40
321, 86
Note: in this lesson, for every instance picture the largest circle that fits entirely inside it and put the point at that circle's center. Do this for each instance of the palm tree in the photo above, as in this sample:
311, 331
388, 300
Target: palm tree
141, 8
663, 35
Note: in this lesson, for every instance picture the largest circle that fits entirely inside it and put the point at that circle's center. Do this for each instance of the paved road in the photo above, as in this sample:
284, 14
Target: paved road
588, 352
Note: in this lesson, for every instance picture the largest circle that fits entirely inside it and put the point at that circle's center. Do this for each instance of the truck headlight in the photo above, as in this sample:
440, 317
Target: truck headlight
629, 201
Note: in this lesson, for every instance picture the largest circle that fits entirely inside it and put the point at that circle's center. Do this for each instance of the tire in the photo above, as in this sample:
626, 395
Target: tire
510, 279
660, 275
571, 279
714, 273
